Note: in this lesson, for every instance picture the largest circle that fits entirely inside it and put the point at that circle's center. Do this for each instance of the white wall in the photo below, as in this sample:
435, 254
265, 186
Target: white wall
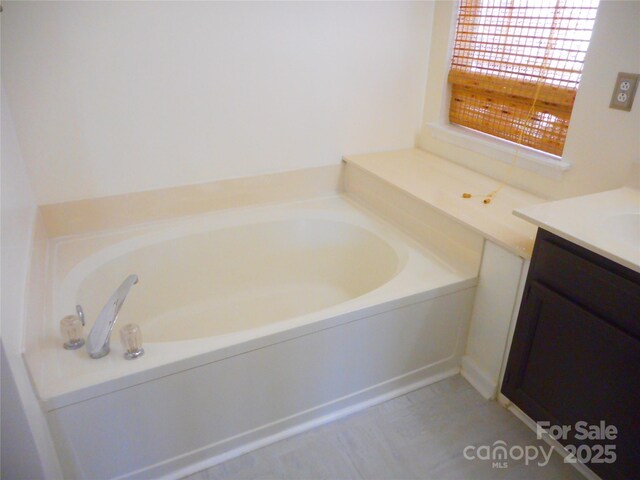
116, 97
24, 427
602, 143
18, 211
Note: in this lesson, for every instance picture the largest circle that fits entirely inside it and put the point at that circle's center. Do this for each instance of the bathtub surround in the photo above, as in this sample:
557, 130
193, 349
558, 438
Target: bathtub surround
118, 211
445, 232
186, 357
386, 316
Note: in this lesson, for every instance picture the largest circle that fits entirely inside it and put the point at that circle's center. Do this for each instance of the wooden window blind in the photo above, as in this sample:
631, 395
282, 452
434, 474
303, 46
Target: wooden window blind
511, 54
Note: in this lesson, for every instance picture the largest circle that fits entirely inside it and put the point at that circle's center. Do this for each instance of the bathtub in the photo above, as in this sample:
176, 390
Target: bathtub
257, 323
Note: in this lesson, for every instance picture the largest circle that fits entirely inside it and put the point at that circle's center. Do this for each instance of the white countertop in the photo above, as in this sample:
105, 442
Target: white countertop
607, 223
441, 183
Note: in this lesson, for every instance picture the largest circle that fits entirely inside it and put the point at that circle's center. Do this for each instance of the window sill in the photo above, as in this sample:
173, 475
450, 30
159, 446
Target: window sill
542, 163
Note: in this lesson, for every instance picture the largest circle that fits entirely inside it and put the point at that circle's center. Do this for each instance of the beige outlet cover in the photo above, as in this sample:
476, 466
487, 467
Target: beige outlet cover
624, 91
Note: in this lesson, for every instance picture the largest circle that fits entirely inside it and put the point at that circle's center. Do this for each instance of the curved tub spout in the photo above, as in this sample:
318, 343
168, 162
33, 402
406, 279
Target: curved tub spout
98, 339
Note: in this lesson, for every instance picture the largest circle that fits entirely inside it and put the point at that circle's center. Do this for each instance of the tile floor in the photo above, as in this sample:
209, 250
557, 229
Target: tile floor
420, 435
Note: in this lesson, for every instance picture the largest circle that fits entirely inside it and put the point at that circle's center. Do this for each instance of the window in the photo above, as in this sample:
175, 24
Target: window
516, 68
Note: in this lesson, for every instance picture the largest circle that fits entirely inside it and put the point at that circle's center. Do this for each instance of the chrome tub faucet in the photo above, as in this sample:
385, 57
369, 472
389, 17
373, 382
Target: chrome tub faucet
98, 339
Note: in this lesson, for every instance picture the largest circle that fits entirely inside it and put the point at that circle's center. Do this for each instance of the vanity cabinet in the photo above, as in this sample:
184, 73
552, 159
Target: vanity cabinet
575, 354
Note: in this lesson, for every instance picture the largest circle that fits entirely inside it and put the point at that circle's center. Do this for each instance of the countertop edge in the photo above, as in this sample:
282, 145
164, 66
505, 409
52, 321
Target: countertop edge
353, 160
579, 241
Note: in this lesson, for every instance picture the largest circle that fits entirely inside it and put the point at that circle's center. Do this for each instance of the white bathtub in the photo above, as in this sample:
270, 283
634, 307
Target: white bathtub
224, 281
257, 323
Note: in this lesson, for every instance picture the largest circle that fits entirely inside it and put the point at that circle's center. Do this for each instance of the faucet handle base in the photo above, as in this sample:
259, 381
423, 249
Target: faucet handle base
132, 354
73, 345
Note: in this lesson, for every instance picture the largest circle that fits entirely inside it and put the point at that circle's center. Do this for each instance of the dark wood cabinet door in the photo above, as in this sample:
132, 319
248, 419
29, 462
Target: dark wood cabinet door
568, 364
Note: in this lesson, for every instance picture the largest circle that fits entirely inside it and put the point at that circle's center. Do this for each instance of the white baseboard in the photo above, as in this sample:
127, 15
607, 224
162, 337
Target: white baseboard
552, 442
479, 379
233, 447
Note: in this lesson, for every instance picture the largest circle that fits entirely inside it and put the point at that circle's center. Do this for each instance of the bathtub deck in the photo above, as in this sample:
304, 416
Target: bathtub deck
418, 435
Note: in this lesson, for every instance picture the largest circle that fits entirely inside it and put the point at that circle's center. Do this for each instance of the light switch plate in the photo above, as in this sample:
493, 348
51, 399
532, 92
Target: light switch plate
624, 91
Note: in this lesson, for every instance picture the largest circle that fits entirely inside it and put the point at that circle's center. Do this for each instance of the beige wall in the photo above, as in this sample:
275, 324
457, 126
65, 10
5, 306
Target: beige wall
119, 97
602, 143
